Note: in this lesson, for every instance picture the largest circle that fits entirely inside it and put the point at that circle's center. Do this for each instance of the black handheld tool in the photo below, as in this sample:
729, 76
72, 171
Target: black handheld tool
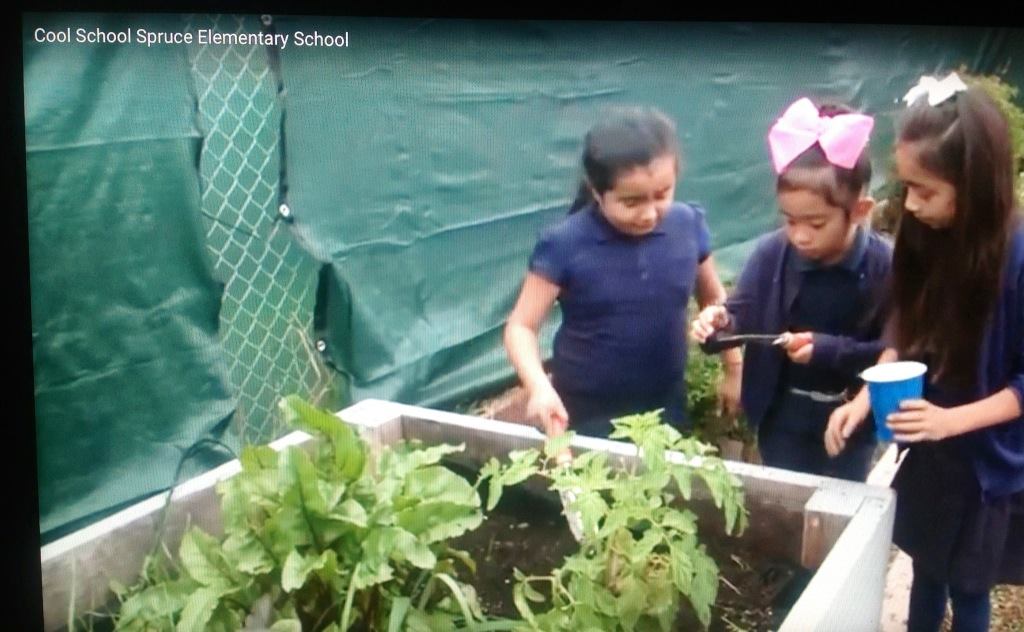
718, 342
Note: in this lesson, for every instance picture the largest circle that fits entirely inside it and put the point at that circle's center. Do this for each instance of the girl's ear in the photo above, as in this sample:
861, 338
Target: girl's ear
862, 209
594, 195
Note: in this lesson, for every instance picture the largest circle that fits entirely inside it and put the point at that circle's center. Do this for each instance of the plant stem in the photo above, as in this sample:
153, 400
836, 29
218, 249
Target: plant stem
347, 611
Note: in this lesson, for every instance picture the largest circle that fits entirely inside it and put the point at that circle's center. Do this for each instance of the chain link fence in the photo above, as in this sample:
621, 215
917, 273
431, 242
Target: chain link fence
267, 308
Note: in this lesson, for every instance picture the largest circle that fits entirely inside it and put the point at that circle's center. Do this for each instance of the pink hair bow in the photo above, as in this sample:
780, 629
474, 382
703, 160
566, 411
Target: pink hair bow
842, 137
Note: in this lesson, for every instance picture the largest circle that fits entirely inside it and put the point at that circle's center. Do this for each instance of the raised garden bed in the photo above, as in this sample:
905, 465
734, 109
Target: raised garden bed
839, 530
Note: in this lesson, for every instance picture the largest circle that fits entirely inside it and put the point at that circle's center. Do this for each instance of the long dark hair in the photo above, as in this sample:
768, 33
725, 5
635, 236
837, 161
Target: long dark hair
627, 138
945, 283
811, 171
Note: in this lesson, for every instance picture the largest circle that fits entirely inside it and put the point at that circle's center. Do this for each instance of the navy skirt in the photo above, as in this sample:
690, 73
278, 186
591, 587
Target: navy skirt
944, 524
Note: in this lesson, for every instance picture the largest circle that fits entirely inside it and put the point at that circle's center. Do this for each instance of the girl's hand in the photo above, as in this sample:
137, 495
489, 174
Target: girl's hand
729, 391
546, 406
841, 424
799, 346
710, 320
921, 420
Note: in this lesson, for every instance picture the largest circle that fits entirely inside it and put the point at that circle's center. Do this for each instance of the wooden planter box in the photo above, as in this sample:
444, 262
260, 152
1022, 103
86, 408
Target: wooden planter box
840, 529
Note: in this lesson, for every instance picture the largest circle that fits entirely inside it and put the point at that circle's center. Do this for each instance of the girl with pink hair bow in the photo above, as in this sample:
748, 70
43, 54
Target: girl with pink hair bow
819, 278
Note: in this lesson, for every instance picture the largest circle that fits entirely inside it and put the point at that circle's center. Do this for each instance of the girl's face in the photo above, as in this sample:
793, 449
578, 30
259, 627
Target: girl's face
641, 197
819, 231
930, 199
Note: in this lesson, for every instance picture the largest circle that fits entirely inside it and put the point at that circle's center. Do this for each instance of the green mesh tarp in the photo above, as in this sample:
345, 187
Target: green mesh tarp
125, 308
174, 298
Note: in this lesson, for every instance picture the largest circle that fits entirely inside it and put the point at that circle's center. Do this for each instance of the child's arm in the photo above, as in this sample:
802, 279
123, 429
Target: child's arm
920, 420
521, 343
844, 353
711, 292
845, 419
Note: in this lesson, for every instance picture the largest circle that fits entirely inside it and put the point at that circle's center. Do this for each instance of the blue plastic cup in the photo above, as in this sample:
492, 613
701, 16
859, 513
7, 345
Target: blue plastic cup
888, 385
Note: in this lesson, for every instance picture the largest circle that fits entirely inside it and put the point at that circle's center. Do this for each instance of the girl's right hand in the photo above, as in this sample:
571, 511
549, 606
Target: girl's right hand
841, 424
710, 320
546, 406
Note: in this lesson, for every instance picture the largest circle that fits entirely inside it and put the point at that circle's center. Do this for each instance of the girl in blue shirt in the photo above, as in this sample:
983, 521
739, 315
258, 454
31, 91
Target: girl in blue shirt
821, 277
623, 266
958, 306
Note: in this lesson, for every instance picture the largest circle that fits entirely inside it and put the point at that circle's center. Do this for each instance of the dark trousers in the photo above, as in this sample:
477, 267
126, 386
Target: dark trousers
971, 611
792, 437
591, 414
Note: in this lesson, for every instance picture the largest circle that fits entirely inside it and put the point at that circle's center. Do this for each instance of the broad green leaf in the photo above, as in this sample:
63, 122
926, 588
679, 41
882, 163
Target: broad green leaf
419, 621
393, 543
367, 577
332, 492
525, 457
439, 484
198, 610
435, 521
705, 585
682, 567
299, 479
158, 602
630, 603
288, 529
349, 452
422, 456
286, 625
203, 559
297, 568
224, 619
555, 445
351, 512
643, 549
592, 508
683, 521
684, 478
245, 553
494, 490
255, 458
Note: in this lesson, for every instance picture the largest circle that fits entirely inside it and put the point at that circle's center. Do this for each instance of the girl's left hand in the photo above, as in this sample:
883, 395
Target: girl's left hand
920, 420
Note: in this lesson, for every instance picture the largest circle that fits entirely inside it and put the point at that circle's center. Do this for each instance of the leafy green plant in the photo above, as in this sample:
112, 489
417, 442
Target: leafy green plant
321, 541
704, 373
639, 552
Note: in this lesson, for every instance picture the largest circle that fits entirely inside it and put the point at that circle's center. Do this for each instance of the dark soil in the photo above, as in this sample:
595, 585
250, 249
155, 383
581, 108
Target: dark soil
528, 531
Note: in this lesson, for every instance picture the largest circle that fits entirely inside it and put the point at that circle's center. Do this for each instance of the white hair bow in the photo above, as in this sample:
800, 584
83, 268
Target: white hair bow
937, 91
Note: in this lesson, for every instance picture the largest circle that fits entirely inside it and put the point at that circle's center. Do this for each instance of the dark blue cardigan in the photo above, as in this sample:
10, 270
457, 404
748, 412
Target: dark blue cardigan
762, 299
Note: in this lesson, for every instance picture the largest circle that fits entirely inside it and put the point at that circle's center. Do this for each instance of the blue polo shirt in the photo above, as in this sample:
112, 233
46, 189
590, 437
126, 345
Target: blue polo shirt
623, 300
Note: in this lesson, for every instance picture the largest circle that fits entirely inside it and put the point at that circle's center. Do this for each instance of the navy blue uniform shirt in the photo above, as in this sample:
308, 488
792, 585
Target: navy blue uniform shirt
623, 300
